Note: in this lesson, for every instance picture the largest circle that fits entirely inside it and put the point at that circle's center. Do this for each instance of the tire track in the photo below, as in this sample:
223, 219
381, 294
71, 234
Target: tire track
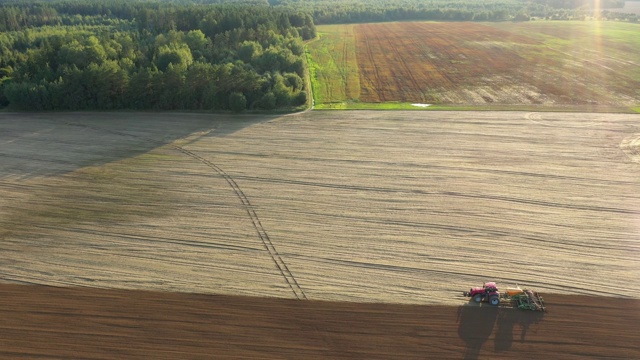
262, 233
407, 70
372, 76
282, 267
344, 64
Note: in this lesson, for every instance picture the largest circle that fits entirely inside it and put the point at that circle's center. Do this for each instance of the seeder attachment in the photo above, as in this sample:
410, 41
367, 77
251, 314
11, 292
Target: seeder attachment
528, 300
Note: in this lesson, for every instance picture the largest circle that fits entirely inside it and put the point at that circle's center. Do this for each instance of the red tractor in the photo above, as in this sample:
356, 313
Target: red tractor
488, 292
516, 297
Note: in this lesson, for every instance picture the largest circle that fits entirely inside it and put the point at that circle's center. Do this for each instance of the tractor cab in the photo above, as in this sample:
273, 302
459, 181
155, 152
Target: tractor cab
490, 287
487, 288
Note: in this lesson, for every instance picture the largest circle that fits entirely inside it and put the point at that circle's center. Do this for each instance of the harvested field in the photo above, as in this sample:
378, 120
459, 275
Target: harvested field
362, 206
549, 64
48, 323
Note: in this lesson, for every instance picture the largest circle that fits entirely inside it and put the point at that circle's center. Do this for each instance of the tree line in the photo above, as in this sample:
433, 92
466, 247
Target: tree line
87, 55
358, 11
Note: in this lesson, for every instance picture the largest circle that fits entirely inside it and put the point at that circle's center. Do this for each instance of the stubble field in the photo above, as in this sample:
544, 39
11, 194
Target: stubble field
590, 65
362, 207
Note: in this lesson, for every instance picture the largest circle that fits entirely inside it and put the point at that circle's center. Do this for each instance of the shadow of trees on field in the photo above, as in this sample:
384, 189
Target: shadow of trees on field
476, 324
48, 144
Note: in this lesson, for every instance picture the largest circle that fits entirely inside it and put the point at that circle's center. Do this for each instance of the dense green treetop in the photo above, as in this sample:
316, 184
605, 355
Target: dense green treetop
115, 54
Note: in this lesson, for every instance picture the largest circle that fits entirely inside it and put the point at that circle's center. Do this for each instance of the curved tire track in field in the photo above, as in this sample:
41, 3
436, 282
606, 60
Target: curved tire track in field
411, 76
262, 233
371, 76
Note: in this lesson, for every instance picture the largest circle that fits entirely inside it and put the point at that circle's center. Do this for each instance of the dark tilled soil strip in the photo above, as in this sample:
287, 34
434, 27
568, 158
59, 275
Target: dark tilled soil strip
65, 323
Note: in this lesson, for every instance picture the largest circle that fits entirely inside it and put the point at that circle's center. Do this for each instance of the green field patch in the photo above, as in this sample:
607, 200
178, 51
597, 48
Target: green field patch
391, 105
332, 65
152, 157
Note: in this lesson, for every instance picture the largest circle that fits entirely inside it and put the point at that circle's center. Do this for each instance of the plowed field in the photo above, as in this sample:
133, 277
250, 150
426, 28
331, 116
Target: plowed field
593, 65
432, 62
58, 323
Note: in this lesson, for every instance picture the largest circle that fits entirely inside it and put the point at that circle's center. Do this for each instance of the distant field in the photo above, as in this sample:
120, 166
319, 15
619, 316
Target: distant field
630, 7
555, 65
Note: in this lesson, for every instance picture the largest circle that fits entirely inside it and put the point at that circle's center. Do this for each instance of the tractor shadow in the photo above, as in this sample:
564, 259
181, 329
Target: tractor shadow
508, 320
475, 326
477, 323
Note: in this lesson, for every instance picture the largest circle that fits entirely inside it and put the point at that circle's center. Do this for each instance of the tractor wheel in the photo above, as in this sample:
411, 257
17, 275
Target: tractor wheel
494, 300
477, 298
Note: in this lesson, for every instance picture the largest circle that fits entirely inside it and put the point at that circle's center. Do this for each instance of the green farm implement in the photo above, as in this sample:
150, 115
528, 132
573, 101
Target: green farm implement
527, 300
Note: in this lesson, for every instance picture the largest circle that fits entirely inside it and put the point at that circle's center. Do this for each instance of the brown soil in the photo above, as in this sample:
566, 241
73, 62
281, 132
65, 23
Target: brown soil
415, 61
63, 323
478, 64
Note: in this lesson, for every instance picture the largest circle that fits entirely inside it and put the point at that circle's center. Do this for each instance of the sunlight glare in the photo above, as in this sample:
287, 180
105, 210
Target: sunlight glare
597, 28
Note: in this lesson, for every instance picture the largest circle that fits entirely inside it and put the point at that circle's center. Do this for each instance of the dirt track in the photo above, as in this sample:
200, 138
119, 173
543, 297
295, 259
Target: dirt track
42, 322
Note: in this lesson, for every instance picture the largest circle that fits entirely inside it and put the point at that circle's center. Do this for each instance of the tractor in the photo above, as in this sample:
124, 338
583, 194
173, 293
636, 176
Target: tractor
519, 298
488, 293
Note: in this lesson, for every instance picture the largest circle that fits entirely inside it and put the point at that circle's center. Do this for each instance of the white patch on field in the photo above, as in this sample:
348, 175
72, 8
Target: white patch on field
631, 147
421, 105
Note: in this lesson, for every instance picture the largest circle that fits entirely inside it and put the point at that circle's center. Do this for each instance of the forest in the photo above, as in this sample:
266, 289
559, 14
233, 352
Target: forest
360, 11
229, 55
89, 55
